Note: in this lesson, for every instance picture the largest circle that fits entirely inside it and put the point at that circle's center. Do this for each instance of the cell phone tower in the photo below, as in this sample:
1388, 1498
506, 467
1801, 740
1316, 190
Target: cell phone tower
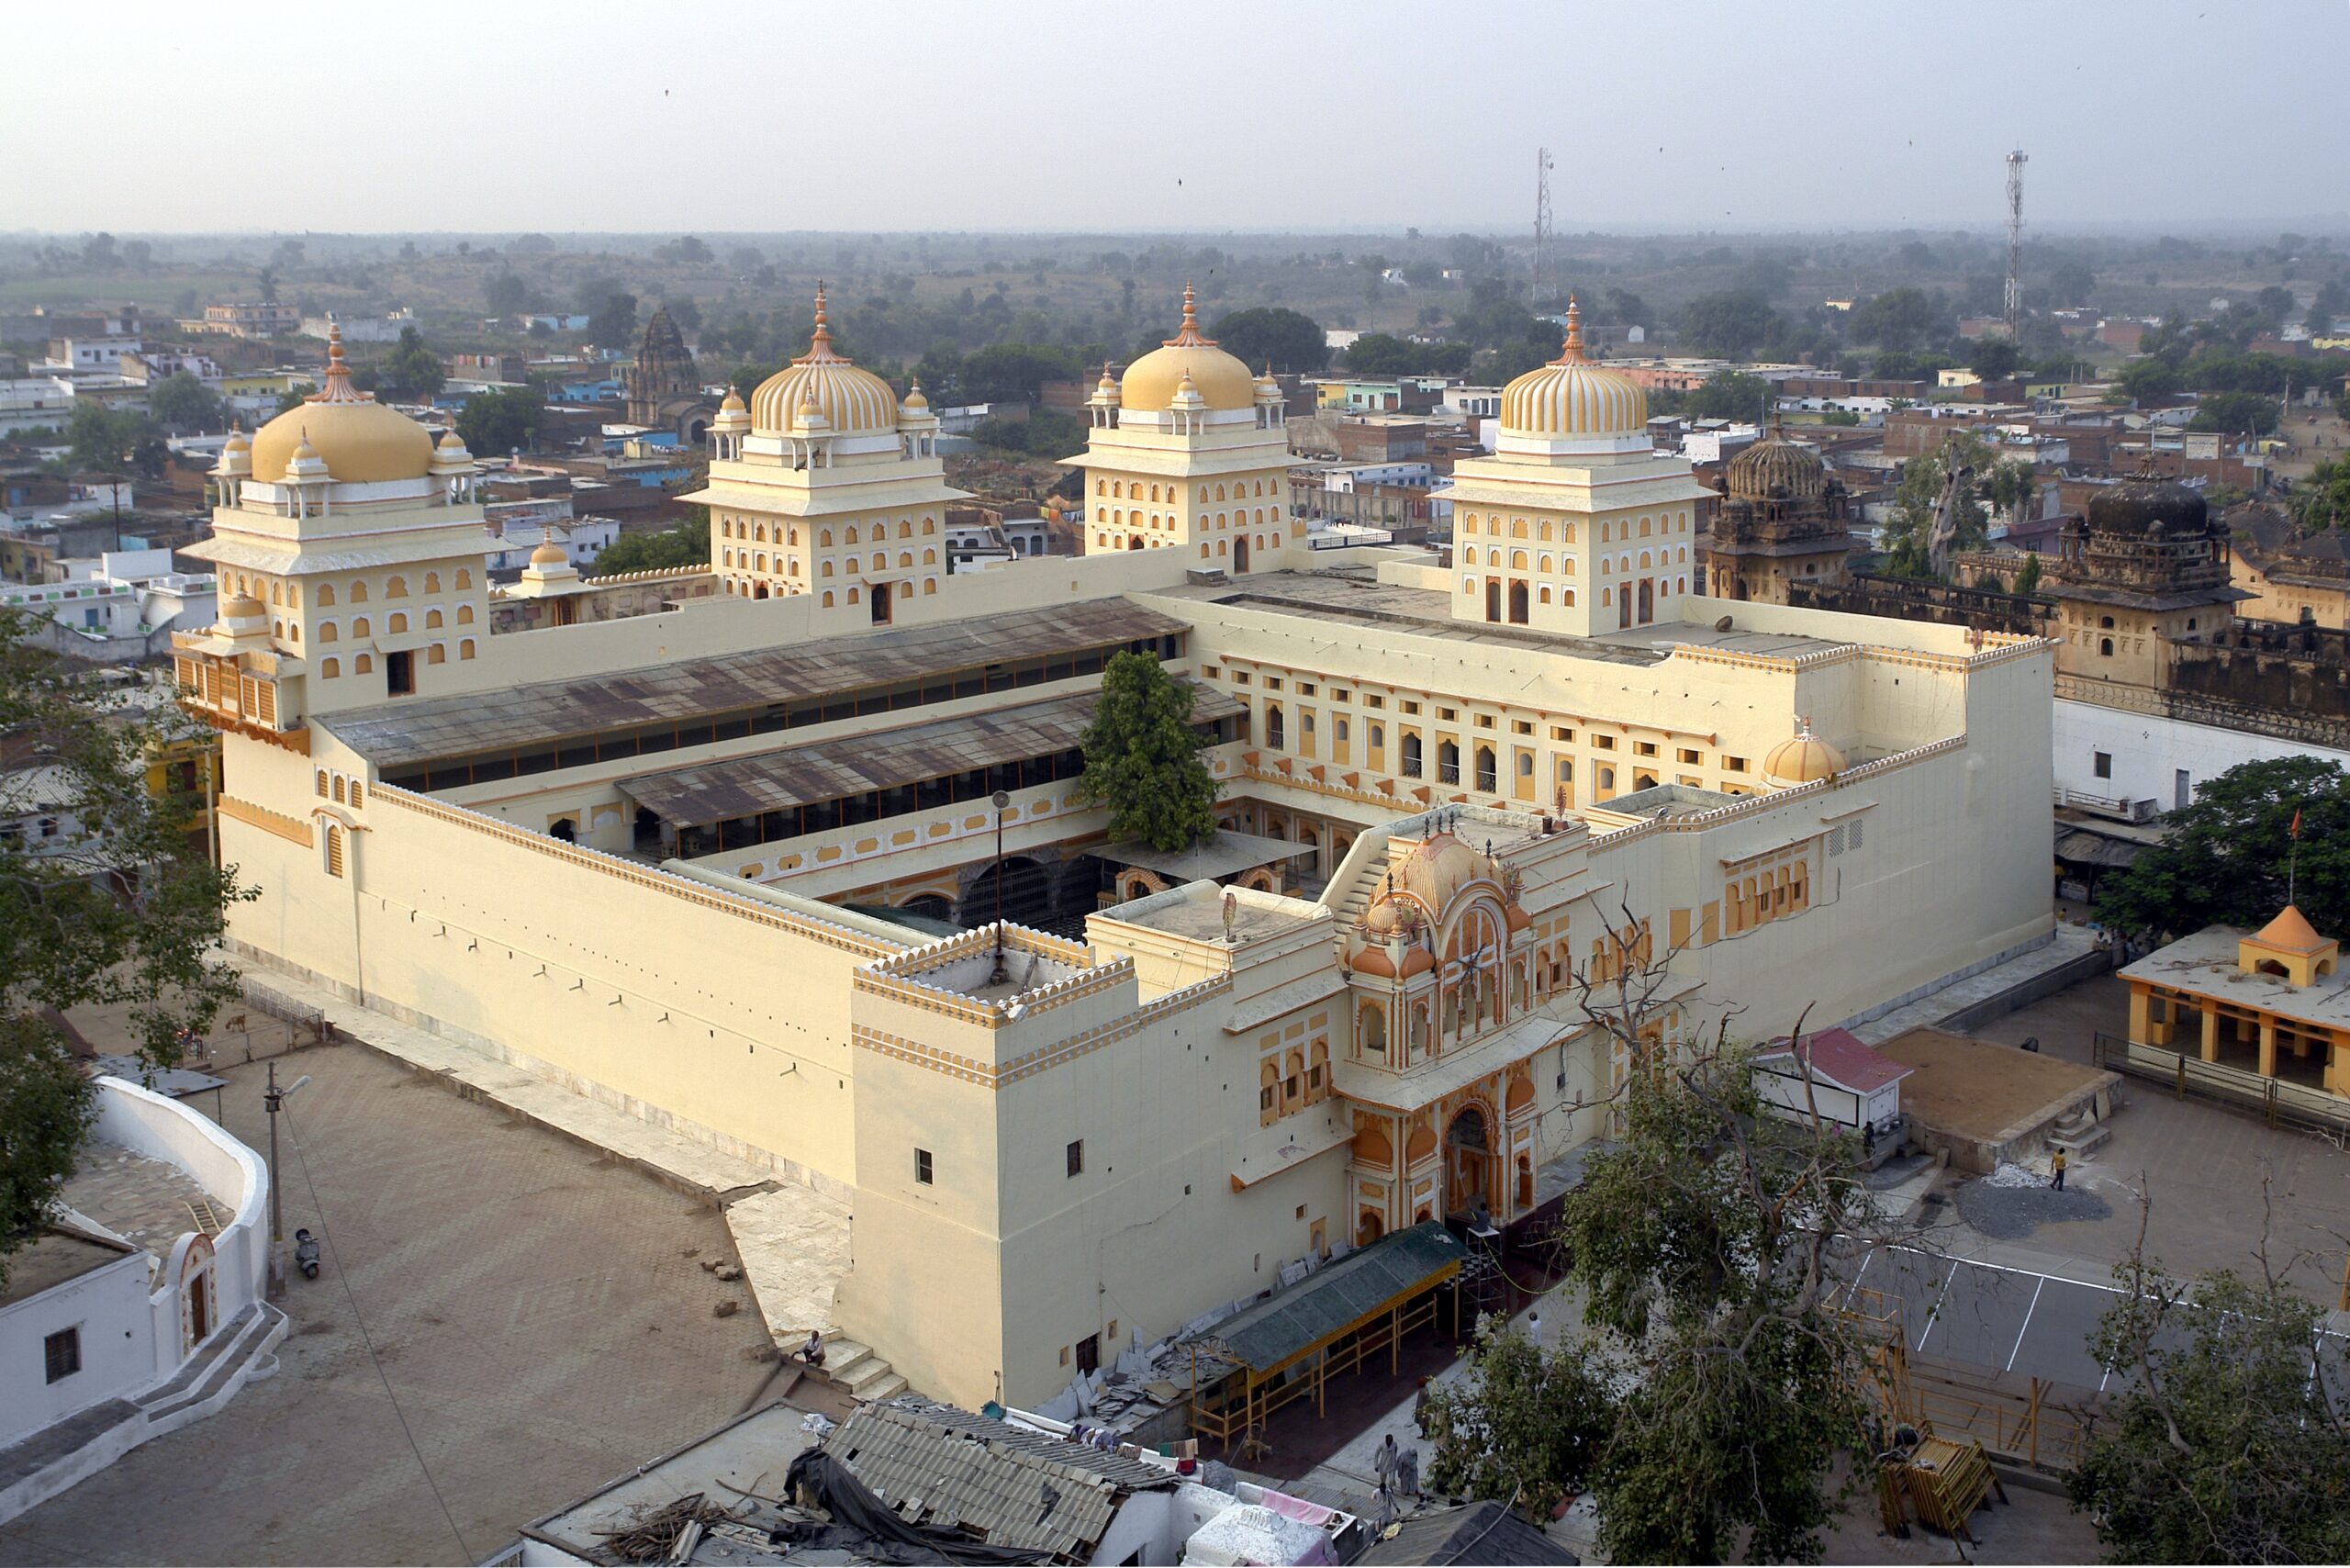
2016, 160
1541, 282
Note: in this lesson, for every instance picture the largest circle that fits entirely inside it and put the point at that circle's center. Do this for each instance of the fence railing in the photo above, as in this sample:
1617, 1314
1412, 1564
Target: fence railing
2025, 1426
2280, 1100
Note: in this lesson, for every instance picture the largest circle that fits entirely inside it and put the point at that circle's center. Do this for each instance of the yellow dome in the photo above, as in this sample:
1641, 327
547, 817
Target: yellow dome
1152, 381
1572, 397
852, 401
362, 441
916, 402
1803, 760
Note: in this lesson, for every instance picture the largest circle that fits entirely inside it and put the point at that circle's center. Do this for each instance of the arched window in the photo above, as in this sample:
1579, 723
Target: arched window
849, 537
322, 783
464, 615
464, 648
1370, 1031
431, 619
1293, 1080
433, 582
1317, 1072
334, 850
1269, 1091
398, 622
327, 632
329, 668
436, 654
465, 578
359, 593
1488, 780
1411, 754
364, 664
1273, 734
359, 627
326, 596
396, 588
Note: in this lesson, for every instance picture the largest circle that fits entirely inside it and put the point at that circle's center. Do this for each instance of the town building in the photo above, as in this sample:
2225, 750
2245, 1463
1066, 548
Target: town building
246, 318
664, 387
121, 1321
1782, 519
688, 844
2248, 1004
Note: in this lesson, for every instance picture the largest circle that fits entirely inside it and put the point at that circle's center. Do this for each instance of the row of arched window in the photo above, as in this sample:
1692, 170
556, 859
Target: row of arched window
1749, 901
1292, 1081
395, 623
1125, 491
331, 667
788, 533
343, 788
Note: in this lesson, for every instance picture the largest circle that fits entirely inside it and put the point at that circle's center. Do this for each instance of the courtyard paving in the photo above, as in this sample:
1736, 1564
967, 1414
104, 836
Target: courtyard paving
2202, 1165
504, 1321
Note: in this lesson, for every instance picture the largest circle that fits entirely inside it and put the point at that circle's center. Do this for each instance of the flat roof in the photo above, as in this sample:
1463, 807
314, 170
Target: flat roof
830, 769
409, 730
58, 1255
1354, 594
2206, 965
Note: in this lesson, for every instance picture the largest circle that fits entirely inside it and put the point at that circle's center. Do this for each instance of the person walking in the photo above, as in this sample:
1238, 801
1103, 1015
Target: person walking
2057, 1167
1384, 1463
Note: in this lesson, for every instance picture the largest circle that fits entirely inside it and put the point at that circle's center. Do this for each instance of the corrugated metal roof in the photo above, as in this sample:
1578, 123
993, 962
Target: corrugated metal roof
937, 1464
409, 731
1269, 1335
852, 764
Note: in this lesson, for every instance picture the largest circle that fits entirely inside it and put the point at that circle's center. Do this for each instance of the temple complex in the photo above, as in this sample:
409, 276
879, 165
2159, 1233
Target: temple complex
1783, 520
664, 387
732, 860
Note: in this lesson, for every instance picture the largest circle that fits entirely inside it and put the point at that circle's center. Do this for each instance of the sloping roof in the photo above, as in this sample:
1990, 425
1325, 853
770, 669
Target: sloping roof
409, 730
937, 1464
1270, 1335
2084, 847
1484, 1532
1840, 1057
2290, 932
855, 765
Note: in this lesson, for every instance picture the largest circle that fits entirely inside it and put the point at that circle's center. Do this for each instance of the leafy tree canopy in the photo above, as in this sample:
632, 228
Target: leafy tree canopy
411, 373
110, 441
669, 549
114, 910
1732, 325
1142, 758
501, 419
2323, 500
1290, 342
1900, 320
2235, 413
2224, 858
1380, 353
1730, 394
181, 402
2230, 1439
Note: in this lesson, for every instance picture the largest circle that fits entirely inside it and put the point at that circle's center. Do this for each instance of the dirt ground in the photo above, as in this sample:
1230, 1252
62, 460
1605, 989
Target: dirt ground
1977, 1091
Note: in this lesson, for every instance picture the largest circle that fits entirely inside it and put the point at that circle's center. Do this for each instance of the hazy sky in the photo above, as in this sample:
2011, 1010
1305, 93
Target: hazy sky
503, 115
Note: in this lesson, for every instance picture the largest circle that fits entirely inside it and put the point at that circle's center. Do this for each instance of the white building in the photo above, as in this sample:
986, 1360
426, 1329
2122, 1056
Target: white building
88, 1317
35, 402
360, 329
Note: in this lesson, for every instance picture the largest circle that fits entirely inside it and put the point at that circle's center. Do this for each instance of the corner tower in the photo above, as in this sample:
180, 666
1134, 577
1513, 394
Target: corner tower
350, 550
1576, 524
837, 490
1188, 452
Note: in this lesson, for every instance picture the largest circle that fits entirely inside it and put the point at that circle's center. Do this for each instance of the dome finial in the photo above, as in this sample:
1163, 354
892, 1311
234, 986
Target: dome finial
338, 387
1570, 352
1188, 334
819, 341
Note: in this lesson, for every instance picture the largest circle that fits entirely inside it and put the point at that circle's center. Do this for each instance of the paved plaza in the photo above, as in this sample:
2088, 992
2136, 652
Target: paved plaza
505, 1320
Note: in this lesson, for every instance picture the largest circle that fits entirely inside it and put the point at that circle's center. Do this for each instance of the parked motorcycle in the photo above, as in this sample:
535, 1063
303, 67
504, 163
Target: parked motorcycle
306, 1254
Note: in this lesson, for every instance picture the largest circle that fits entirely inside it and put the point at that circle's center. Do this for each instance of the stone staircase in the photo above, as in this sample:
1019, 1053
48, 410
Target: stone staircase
2078, 1134
231, 1356
856, 1371
1365, 886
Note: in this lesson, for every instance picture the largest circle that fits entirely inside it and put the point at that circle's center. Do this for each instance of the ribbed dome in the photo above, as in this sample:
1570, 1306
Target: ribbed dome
1440, 868
360, 441
2145, 500
1572, 397
852, 401
1803, 760
1152, 382
1776, 469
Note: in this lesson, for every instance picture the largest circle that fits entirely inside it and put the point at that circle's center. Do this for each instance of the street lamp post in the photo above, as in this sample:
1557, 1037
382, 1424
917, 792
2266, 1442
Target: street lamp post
272, 1098
1003, 799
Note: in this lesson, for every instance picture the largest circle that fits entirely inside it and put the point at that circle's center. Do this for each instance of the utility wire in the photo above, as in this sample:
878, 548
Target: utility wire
465, 1553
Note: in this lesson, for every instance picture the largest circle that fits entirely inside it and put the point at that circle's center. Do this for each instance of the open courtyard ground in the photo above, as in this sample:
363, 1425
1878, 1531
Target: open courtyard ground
504, 1320
2202, 1165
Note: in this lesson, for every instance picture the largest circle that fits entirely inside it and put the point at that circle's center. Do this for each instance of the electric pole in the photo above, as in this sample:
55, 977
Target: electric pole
1541, 284
2016, 161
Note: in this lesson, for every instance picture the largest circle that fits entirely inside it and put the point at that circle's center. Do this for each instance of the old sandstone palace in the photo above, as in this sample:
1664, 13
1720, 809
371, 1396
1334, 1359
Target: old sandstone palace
728, 859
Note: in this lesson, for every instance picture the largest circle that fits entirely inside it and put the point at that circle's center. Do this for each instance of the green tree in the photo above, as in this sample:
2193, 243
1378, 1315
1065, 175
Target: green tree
2323, 500
113, 911
1983, 480
501, 419
1521, 1421
2224, 858
107, 441
1731, 325
1015, 372
1994, 359
506, 295
1731, 394
1294, 344
1900, 320
181, 402
668, 550
2230, 1440
411, 372
1044, 433
1142, 758
2147, 380
2028, 575
2234, 413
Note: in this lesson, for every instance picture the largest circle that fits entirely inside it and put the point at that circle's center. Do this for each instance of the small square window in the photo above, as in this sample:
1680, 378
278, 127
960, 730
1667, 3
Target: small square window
922, 1166
1077, 1157
2103, 762
61, 1352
